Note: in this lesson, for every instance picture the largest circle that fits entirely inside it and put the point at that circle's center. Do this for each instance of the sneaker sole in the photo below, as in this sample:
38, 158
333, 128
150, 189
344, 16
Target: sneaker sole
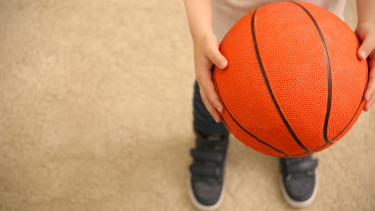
202, 207
299, 204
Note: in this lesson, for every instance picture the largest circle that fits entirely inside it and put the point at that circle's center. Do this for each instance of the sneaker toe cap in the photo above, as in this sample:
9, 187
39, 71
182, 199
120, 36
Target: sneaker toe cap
300, 187
207, 191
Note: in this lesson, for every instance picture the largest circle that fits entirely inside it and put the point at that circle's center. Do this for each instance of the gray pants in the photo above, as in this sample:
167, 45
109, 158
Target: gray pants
203, 121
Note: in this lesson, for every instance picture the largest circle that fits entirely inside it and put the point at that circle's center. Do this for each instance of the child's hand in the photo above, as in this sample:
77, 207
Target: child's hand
366, 33
206, 53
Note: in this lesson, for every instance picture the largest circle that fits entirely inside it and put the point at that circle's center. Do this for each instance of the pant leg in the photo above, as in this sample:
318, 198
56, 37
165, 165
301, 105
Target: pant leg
203, 121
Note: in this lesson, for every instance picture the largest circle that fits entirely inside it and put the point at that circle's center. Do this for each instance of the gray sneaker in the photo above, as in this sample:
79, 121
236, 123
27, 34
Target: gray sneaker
299, 180
206, 182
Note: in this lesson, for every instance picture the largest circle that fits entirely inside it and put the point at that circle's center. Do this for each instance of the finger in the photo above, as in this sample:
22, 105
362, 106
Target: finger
366, 48
216, 57
370, 91
210, 108
371, 81
207, 86
369, 103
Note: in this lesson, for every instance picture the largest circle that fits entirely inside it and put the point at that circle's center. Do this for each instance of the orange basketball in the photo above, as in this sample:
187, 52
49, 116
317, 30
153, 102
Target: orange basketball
294, 84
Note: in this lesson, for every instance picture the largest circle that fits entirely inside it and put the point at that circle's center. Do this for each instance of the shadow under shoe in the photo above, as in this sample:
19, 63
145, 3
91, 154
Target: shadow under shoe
206, 184
299, 180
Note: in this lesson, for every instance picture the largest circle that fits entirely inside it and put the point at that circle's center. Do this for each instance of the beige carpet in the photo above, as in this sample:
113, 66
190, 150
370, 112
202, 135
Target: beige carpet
96, 114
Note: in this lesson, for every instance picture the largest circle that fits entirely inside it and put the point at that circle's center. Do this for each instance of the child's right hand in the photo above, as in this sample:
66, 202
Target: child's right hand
206, 54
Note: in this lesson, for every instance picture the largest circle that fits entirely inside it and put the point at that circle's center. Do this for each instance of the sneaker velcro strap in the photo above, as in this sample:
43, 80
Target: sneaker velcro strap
304, 166
214, 156
210, 171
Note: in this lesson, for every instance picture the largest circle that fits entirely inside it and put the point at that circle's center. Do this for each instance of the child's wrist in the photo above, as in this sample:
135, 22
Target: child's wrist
204, 37
202, 33
366, 21
368, 26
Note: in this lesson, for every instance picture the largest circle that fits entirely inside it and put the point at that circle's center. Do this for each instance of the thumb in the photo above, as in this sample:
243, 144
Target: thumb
217, 58
366, 48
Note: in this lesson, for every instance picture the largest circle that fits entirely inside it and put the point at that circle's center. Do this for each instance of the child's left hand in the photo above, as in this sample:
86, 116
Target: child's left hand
366, 33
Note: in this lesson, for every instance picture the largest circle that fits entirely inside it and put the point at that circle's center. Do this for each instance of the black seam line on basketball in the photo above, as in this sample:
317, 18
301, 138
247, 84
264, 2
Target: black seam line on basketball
342, 130
239, 125
364, 90
312, 150
355, 114
329, 101
270, 89
226, 124
214, 78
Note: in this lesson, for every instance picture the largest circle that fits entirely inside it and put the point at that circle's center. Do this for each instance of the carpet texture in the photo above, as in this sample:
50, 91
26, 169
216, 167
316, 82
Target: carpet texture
96, 114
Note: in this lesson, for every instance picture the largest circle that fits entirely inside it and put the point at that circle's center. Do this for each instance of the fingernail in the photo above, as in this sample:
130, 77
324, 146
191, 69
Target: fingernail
363, 54
223, 63
219, 109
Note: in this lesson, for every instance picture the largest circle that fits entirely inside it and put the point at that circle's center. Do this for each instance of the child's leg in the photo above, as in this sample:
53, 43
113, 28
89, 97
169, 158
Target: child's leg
206, 184
299, 186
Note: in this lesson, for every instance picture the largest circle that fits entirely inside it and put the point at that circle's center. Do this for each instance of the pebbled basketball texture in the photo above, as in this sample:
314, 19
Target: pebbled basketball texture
294, 84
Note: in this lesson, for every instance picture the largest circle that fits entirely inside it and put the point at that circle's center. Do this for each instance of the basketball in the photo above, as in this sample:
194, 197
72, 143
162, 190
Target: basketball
294, 84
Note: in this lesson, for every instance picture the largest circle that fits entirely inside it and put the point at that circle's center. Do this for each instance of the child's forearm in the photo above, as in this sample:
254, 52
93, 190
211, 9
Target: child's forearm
366, 11
199, 13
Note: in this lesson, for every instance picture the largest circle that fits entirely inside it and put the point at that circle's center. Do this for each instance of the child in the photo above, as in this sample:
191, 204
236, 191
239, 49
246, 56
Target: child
209, 21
